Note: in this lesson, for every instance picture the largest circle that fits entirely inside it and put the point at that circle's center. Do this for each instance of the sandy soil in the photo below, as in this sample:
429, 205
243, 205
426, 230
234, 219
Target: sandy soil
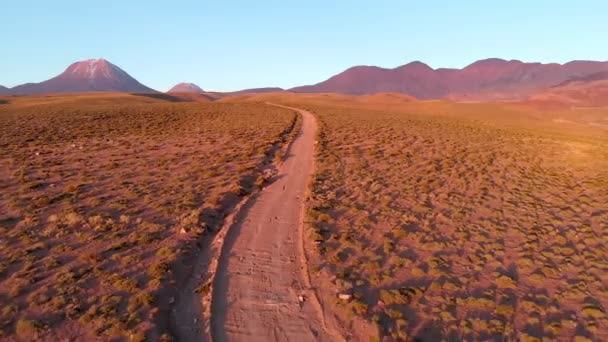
105, 200
457, 223
262, 291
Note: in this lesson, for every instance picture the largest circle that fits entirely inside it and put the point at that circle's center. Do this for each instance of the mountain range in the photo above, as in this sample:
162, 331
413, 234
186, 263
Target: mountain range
488, 79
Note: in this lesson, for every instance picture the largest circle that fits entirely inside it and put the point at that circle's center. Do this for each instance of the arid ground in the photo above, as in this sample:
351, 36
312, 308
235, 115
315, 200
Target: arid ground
103, 196
128, 218
444, 221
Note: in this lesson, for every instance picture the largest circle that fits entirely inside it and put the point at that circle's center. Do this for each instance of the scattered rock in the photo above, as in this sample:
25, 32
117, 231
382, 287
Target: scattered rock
268, 173
171, 300
301, 298
345, 296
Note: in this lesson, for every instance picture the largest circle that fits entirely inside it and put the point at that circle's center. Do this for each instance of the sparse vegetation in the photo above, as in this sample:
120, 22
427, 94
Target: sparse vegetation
101, 201
455, 223
427, 220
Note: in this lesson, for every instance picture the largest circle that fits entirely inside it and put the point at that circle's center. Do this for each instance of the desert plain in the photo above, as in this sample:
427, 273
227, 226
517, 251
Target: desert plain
421, 219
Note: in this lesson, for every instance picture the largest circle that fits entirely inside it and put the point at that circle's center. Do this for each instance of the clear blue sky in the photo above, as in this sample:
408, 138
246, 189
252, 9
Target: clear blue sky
229, 45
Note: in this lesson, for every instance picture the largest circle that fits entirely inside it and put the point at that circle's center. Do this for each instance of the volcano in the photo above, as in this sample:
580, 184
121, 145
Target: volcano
93, 75
186, 88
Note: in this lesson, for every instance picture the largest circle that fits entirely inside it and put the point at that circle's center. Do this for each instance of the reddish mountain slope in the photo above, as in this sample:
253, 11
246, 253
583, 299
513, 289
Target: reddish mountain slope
94, 75
598, 76
579, 92
186, 88
416, 79
486, 79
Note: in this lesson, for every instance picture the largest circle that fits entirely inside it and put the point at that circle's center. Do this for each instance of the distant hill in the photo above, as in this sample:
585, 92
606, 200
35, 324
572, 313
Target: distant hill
186, 88
257, 91
385, 98
4, 90
589, 91
486, 79
216, 95
598, 76
93, 75
180, 97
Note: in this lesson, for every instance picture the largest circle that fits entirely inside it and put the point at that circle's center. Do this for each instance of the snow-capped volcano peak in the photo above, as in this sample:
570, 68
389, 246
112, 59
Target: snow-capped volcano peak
95, 68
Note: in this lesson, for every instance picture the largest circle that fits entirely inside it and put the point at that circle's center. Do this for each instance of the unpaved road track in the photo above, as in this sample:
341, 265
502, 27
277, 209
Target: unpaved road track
262, 270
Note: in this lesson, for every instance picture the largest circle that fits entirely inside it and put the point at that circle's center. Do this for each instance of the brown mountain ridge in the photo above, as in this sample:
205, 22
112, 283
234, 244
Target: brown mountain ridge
488, 79
492, 78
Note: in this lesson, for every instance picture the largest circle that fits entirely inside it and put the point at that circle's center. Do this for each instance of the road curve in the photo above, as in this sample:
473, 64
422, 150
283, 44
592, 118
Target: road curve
262, 277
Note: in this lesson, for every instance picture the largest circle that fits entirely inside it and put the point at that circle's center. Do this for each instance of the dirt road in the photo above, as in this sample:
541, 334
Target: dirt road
262, 277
